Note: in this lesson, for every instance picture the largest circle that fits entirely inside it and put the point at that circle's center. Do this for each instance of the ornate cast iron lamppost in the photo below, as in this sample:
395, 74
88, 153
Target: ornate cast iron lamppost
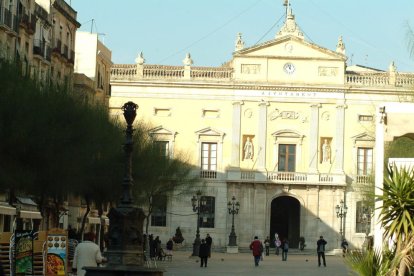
125, 247
233, 207
197, 203
341, 210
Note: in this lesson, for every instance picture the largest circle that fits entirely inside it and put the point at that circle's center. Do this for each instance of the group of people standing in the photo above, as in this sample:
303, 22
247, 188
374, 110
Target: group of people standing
257, 248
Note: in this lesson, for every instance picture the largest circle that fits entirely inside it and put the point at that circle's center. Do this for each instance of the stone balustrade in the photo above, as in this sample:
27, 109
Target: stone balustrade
377, 79
149, 71
159, 72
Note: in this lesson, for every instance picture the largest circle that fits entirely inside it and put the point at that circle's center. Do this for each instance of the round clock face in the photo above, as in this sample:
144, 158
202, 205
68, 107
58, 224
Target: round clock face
289, 68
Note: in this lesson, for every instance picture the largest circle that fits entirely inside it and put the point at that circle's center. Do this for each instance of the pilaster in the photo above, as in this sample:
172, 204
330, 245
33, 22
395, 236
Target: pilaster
339, 144
235, 141
313, 138
261, 154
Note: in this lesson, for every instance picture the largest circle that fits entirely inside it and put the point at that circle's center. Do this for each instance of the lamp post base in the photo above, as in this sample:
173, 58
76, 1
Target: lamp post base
232, 249
196, 247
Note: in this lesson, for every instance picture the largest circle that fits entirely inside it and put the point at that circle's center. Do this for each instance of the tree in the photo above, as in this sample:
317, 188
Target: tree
157, 175
53, 144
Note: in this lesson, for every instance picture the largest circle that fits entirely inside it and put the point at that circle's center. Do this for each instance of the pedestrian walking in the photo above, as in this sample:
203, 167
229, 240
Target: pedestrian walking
257, 248
87, 253
267, 245
169, 247
278, 243
203, 253
344, 245
285, 249
320, 248
209, 242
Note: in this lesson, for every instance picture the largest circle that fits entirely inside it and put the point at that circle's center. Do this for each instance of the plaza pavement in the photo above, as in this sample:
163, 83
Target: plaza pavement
183, 264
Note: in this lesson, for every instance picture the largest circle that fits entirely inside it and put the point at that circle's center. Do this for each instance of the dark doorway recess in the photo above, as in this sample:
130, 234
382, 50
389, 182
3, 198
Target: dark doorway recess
285, 219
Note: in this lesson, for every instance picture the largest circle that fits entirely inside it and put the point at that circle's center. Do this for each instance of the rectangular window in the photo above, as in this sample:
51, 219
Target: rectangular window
207, 210
159, 213
363, 218
287, 158
162, 148
364, 161
208, 160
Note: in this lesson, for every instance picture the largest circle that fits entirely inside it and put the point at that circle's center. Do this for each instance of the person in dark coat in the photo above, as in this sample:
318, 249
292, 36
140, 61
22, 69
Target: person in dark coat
285, 249
209, 242
320, 248
203, 253
257, 249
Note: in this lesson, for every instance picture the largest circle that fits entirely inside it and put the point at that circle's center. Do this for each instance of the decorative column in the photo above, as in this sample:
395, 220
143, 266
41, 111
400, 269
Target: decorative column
313, 138
339, 144
235, 139
261, 137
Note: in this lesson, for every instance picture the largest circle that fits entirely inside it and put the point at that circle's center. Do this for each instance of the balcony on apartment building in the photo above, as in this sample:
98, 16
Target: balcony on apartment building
8, 20
71, 58
41, 49
65, 52
57, 47
28, 22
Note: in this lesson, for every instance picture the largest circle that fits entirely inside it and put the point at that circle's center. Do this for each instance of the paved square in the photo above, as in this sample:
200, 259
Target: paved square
243, 264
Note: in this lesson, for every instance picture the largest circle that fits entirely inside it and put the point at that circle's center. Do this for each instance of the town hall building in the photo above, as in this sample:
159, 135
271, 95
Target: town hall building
285, 126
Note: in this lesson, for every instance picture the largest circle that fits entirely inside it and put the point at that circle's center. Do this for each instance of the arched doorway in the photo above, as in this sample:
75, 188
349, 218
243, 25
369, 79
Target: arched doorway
285, 219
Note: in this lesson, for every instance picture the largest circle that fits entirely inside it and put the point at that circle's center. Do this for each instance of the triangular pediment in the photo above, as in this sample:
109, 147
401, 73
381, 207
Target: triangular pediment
291, 47
208, 131
363, 137
161, 131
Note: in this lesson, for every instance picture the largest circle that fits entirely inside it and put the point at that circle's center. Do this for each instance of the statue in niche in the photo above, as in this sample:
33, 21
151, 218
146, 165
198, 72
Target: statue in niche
326, 151
248, 149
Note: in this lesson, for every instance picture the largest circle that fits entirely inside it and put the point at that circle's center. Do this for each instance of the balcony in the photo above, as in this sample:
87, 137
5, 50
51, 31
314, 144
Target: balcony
363, 179
57, 47
41, 49
65, 53
38, 47
208, 174
72, 57
297, 178
7, 20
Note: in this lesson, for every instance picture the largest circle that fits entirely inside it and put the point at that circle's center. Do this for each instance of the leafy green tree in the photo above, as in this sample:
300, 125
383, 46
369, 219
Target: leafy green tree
53, 144
156, 175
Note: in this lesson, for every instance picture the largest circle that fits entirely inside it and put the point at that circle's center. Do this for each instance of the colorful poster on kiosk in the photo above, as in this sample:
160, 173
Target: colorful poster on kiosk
56, 263
23, 256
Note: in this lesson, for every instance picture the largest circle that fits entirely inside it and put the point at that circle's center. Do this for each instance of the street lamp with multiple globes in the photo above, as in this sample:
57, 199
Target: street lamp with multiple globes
197, 201
233, 207
341, 210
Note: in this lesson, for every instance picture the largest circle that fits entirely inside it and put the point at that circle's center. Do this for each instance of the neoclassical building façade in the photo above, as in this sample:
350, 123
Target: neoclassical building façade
284, 126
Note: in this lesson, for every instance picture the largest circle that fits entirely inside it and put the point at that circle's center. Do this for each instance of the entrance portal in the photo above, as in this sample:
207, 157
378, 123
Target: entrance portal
285, 219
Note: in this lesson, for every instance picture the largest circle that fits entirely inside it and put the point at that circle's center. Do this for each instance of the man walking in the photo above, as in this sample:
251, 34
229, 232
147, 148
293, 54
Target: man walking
257, 248
320, 248
285, 249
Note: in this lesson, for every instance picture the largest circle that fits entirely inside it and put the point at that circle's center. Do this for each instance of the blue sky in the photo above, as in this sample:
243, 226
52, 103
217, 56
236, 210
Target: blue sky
374, 31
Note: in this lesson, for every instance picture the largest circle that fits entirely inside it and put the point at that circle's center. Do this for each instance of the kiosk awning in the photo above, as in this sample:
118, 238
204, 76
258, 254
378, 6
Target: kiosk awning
30, 214
7, 210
